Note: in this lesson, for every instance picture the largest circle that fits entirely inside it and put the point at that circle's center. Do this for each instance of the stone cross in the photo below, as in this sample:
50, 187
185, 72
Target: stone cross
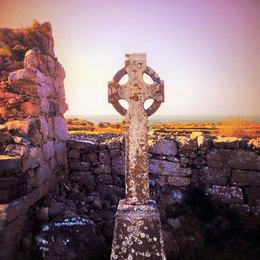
136, 92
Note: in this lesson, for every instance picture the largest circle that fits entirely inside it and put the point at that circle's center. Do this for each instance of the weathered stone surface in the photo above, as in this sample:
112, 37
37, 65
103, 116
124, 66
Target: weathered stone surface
16, 149
43, 173
215, 175
81, 166
10, 164
202, 141
185, 144
226, 142
84, 178
60, 128
74, 153
34, 157
118, 165
73, 237
104, 158
61, 153
137, 233
163, 167
163, 147
48, 150
231, 195
31, 110
9, 212
245, 178
82, 144
107, 191
195, 135
237, 159
255, 143
102, 169
179, 181
20, 126
104, 179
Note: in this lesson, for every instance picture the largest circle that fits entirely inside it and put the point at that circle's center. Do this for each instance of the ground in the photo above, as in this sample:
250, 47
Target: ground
233, 127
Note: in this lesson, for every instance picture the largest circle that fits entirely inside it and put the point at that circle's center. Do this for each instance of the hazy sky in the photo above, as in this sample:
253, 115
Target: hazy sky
207, 52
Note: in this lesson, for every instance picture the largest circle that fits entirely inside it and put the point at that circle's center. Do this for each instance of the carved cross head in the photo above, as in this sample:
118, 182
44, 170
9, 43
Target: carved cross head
136, 90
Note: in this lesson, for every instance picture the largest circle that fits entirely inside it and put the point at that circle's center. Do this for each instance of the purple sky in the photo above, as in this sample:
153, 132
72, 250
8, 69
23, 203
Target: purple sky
207, 52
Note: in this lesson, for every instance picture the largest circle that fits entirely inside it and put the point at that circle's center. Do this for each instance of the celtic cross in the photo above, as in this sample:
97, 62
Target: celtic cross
136, 92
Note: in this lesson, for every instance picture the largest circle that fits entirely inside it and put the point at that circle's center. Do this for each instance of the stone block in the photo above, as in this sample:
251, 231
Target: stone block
137, 225
108, 191
114, 153
245, 178
104, 158
104, 179
162, 147
34, 157
113, 144
178, 181
61, 153
48, 150
45, 105
90, 157
23, 81
226, 142
17, 149
162, 167
44, 128
237, 159
43, 173
118, 165
218, 176
20, 126
83, 178
74, 154
86, 145
186, 145
255, 143
30, 109
80, 166
195, 135
230, 195
202, 142
102, 169
10, 164
60, 128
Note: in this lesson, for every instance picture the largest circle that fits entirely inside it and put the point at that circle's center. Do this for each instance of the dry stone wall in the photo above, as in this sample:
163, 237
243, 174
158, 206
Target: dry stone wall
216, 174
33, 130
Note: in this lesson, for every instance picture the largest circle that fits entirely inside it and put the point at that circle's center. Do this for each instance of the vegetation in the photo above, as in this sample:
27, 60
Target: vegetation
231, 127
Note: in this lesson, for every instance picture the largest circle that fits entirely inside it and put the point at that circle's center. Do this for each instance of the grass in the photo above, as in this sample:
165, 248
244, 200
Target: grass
232, 127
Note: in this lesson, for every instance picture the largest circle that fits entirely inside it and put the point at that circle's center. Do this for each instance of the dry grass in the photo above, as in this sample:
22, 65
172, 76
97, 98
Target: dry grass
232, 127
239, 128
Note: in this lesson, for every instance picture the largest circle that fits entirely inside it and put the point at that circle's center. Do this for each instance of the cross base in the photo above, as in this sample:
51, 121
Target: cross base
137, 232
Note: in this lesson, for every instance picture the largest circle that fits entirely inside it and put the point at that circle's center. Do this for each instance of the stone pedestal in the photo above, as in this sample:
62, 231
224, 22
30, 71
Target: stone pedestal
137, 232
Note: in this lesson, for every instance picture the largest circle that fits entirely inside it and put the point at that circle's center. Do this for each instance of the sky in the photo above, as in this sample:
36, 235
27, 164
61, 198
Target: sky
207, 52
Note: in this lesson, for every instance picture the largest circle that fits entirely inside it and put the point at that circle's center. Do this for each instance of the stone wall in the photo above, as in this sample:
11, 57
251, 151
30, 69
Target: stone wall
33, 131
213, 176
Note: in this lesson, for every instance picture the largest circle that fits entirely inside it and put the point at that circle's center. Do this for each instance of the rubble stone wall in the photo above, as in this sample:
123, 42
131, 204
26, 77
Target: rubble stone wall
33, 130
227, 170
